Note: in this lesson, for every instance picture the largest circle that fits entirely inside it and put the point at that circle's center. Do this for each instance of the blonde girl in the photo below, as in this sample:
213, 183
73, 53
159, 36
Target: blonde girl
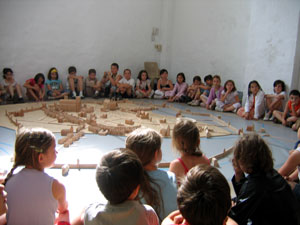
159, 189
186, 140
33, 196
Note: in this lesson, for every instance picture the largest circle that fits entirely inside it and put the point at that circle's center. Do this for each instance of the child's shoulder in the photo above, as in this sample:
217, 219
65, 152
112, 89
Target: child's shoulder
162, 174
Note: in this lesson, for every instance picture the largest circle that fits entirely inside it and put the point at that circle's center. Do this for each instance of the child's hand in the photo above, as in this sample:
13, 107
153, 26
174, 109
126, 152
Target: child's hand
247, 115
239, 174
283, 122
174, 218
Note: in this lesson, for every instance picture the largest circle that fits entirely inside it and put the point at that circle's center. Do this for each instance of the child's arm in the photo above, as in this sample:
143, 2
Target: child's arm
61, 88
290, 165
182, 90
158, 85
210, 97
294, 112
59, 193
169, 88
259, 100
224, 95
149, 87
79, 220
29, 86
285, 112
174, 90
173, 218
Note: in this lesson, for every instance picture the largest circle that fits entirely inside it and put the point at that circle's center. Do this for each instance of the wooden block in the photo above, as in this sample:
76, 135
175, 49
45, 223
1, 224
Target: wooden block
65, 170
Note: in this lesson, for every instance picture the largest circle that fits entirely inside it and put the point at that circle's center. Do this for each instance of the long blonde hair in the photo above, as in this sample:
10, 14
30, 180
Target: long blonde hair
30, 143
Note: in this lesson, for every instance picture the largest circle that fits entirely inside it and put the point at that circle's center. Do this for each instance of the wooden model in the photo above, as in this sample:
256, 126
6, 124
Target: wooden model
70, 105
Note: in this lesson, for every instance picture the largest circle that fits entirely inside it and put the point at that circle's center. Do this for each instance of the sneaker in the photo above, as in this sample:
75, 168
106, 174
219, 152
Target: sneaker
195, 103
235, 110
96, 95
202, 104
271, 118
190, 103
267, 117
119, 97
219, 109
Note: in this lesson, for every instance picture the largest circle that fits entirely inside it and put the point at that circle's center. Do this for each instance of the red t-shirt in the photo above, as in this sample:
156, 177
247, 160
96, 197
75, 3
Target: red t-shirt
32, 83
297, 107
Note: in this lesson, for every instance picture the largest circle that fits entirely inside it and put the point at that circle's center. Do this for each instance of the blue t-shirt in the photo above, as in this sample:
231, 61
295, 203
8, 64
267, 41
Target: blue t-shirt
168, 186
54, 84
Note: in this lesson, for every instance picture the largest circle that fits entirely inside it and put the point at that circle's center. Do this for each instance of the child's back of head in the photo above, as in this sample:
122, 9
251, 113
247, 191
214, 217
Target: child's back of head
144, 142
118, 174
186, 137
252, 152
204, 196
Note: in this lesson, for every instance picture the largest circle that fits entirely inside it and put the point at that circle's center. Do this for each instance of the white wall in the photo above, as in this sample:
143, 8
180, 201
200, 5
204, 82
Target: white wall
240, 40
36, 35
272, 42
209, 37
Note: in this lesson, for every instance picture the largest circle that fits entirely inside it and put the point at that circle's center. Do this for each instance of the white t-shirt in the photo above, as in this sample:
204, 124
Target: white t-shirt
125, 81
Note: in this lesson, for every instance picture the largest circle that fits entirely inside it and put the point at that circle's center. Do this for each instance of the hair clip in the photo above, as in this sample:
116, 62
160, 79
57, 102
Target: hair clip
39, 150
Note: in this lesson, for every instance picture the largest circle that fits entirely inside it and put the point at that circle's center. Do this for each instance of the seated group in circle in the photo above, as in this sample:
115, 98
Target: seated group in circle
210, 94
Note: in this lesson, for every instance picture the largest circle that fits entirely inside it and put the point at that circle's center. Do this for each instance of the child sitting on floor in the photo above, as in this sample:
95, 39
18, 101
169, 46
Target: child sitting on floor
203, 198
203, 93
263, 196
159, 188
75, 82
291, 111
255, 106
33, 196
11, 86
143, 85
125, 86
91, 84
119, 177
229, 101
215, 93
178, 93
35, 87
109, 80
186, 140
192, 89
54, 85
164, 85
275, 101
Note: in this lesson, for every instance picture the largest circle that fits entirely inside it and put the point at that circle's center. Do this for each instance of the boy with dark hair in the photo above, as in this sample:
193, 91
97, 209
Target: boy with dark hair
119, 176
110, 79
203, 198
92, 85
291, 111
125, 86
11, 87
75, 81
